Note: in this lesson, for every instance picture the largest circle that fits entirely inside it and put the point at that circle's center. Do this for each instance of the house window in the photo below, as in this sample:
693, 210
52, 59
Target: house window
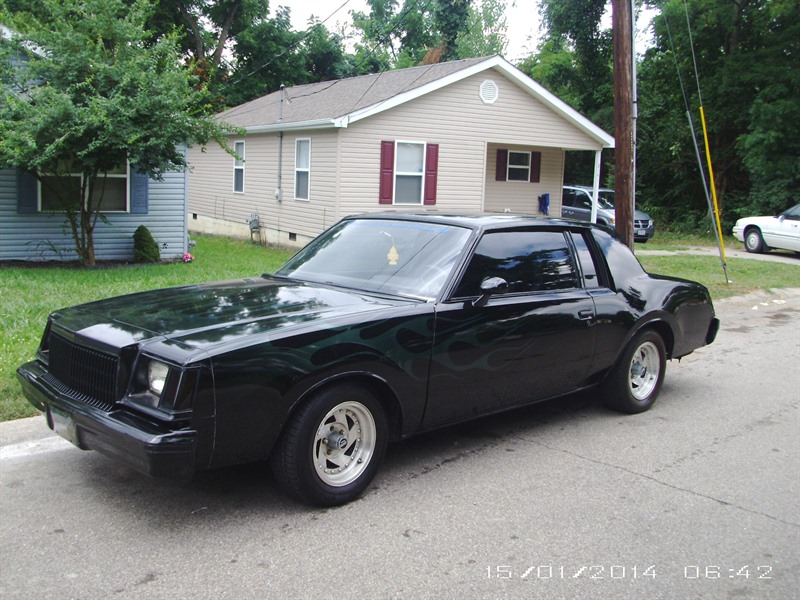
238, 167
302, 168
409, 172
110, 193
519, 166
408, 175
515, 165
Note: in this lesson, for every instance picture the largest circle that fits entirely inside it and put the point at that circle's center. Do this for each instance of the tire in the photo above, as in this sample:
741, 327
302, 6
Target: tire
753, 242
633, 384
331, 448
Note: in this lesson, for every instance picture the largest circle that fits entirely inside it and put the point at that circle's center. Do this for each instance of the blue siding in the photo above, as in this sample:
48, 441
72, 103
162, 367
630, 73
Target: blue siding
46, 236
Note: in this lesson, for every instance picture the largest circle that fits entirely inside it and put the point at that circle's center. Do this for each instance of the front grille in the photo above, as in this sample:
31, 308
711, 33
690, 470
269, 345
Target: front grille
641, 224
83, 374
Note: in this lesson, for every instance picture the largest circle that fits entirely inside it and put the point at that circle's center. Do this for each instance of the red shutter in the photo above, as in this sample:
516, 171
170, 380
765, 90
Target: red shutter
536, 167
387, 173
431, 173
502, 165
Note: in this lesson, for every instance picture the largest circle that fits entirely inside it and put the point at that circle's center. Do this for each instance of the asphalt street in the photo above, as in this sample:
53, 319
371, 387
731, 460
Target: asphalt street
697, 498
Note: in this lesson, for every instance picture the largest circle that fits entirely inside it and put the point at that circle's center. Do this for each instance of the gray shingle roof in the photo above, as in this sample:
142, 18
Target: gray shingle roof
334, 99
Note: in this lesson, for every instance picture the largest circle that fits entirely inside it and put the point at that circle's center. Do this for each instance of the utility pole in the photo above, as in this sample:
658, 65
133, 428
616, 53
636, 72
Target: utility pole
622, 20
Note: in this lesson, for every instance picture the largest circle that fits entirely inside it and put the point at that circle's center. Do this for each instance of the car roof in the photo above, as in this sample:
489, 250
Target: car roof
476, 221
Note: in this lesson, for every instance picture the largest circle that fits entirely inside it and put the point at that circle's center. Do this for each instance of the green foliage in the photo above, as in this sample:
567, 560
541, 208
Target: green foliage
145, 248
750, 80
94, 94
451, 21
267, 57
485, 33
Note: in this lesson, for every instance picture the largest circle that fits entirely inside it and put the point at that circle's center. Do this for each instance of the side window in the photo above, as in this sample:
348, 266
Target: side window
530, 261
568, 198
302, 168
584, 200
238, 167
588, 266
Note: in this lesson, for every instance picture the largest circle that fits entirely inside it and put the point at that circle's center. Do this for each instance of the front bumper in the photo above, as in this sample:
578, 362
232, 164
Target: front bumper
642, 234
142, 444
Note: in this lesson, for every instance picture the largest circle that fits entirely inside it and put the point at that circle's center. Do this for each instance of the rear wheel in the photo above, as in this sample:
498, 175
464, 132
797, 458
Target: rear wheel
633, 384
753, 242
332, 447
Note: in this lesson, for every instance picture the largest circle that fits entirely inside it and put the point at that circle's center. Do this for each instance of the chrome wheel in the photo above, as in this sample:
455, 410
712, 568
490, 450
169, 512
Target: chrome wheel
632, 386
344, 443
644, 371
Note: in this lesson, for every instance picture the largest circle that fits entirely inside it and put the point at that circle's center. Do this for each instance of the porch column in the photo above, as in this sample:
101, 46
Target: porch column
596, 183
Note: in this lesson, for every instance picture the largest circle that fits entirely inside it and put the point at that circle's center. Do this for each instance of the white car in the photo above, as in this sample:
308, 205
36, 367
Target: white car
761, 234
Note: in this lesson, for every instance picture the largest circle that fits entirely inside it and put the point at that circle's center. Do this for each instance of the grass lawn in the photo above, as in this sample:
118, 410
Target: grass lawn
31, 293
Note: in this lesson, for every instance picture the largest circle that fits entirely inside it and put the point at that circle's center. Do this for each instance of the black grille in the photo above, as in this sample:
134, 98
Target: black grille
84, 374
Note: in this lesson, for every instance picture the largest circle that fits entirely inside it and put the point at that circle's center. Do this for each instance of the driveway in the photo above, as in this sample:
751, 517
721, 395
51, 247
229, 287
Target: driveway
781, 256
696, 498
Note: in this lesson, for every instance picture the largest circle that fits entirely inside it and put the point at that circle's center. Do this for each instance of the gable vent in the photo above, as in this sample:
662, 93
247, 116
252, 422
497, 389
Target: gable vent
489, 91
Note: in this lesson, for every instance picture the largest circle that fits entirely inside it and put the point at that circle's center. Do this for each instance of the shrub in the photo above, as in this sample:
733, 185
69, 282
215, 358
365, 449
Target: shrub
145, 248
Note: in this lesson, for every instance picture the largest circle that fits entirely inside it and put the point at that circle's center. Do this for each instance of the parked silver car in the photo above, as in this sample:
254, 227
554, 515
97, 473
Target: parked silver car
577, 204
760, 234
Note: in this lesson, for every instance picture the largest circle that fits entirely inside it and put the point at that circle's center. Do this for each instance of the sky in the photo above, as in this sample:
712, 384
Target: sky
522, 17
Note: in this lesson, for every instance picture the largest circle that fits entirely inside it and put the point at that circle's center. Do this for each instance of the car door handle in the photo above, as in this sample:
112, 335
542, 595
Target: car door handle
586, 315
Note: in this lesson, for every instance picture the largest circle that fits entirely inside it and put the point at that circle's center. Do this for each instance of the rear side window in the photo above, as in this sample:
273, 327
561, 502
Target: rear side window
530, 261
588, 267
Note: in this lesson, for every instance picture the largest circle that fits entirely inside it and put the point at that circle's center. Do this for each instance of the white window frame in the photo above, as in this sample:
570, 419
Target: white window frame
238, 164
306, 170
420, 173
126, 176
509, 166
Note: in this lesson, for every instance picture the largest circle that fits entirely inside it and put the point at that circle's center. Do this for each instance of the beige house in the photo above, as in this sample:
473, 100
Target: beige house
466, 136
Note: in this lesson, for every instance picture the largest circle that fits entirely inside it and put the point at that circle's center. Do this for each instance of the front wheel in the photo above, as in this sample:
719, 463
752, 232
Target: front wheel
330, 450
753, 242
633, 384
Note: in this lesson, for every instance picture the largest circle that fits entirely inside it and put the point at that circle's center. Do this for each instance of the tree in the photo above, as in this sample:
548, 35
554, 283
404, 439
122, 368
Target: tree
451, 21
746, 55
205, 28
95, 96
485, 33
266, 56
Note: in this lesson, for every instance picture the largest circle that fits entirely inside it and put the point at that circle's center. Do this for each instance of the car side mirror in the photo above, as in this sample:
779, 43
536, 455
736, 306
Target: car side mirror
489, 287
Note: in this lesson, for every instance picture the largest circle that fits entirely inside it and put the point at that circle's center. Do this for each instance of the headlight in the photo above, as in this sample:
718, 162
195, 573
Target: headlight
612, 220
156, 376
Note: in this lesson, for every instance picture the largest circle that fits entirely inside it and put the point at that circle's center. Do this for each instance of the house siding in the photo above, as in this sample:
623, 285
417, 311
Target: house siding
468, 133
211, 197
46, 236
345, 162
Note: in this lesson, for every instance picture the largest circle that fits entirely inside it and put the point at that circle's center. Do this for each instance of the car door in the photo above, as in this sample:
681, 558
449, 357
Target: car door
784, 231
532, 342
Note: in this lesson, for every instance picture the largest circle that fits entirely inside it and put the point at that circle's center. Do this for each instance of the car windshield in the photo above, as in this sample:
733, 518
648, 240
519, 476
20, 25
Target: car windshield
606, 199
404, 258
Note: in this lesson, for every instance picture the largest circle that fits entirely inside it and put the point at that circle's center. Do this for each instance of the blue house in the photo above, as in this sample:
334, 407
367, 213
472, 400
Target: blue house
33, 228
29, 231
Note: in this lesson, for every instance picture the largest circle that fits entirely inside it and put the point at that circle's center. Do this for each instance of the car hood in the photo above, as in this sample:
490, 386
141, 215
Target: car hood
760, 221
206, 315
638, 215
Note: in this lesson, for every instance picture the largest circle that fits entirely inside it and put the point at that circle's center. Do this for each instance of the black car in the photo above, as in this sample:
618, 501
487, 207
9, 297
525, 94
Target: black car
385, 326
